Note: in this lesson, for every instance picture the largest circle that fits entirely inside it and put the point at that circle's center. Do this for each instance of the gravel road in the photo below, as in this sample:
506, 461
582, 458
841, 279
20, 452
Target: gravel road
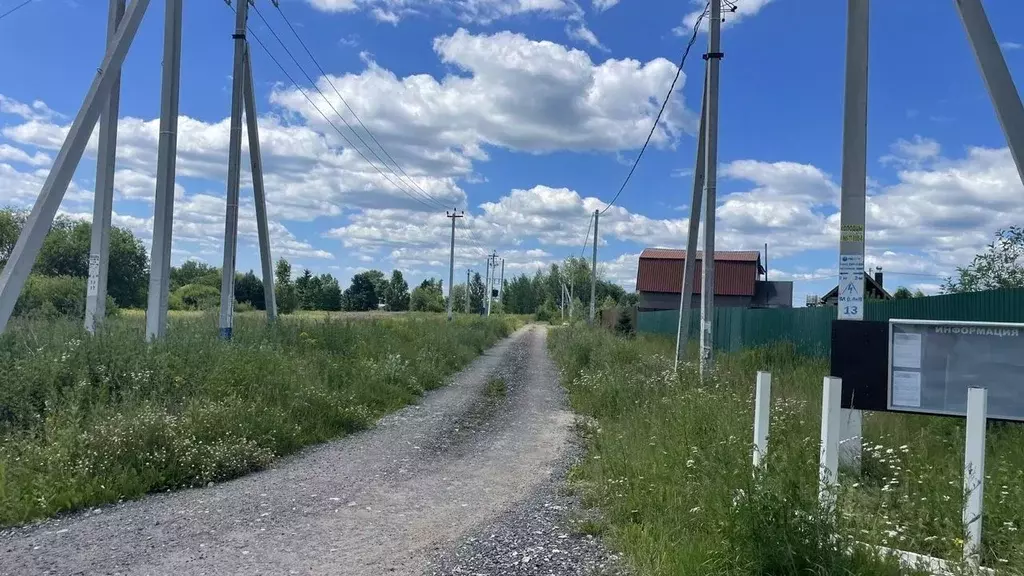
476, 457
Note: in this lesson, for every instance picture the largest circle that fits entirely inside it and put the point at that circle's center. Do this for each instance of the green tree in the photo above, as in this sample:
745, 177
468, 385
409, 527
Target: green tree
284, 288
427, 297
477, 292
396, 295
328, 293
195, 272
65, 252
458, 297
380, 283
1001, 265
361, 293
249, 290
902, 293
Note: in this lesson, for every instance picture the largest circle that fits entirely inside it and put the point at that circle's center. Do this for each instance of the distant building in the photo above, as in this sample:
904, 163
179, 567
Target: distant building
873, 290
738, 281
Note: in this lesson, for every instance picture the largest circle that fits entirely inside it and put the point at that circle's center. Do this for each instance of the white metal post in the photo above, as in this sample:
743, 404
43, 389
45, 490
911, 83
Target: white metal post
227, 282
23, 256
258, 192
828, 472
762, 417
853, 199
467, 291
714, 58
974, 471
103, 200
593, 273
997, 77
167, 149
690, 264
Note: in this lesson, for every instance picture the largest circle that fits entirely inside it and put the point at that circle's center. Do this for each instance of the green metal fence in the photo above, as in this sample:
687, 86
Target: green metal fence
810, 329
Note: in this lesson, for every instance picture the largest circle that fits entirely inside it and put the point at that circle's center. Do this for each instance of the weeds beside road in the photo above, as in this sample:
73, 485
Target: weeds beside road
669, 465
86, 421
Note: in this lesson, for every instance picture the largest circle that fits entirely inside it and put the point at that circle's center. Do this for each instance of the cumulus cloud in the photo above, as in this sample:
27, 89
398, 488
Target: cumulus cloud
480, 11
744, 9
575, 104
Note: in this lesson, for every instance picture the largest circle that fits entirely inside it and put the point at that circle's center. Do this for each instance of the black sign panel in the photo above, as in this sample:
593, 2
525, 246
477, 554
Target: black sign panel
860, 357
932, 364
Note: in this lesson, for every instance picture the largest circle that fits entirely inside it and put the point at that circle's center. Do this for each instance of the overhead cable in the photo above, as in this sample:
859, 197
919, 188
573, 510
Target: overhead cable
664, 104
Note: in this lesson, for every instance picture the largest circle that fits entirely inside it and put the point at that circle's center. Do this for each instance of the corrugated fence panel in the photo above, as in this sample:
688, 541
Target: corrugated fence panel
810, 329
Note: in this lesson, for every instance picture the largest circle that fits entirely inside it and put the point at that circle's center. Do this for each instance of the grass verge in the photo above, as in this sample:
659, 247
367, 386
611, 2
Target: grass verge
668, 463
91, 420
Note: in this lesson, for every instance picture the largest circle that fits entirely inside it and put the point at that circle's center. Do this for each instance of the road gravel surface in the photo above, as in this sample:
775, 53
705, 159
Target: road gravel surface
418, 494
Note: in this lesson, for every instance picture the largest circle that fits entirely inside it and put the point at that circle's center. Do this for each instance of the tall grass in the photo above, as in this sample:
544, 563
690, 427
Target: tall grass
89, 420
669, 464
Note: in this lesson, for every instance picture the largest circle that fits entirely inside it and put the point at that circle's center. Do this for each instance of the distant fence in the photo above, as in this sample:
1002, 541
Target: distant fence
810, 329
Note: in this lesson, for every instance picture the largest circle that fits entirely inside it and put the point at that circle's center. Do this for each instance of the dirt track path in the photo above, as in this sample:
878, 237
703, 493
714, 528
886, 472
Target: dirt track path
382, 502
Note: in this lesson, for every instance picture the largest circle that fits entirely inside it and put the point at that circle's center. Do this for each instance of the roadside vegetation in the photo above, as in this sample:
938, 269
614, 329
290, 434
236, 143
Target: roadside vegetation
92, 420
668, 464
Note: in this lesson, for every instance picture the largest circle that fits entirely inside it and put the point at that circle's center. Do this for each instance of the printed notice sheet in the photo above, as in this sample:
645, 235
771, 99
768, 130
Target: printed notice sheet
906, 389
906, 350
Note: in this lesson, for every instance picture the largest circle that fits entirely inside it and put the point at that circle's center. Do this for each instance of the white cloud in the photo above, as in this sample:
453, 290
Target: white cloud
583, 34
480, 11
37, 110
575, 104
1011, 45
744, 9
602, 5
911, 153
13, 154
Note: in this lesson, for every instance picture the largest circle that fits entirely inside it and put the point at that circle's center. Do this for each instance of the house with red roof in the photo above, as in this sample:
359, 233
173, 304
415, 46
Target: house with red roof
740, 281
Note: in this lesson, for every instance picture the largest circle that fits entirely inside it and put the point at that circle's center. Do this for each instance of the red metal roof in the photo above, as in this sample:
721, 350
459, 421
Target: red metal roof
661, 270
720, 255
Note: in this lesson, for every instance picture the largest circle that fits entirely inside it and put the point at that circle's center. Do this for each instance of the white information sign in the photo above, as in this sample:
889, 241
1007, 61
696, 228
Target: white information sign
906, 389
851, 287
906, 350
932, 364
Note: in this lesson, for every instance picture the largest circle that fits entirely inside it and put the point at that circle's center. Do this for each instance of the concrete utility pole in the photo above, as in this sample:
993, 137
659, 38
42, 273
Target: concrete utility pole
593, 273
690, 264
103, 200
258, 194
492, 263
853, 199
487, 289
227, 283
23, 256
167, 152
996, 76
451, 260
501, 286
467, 291
714, 59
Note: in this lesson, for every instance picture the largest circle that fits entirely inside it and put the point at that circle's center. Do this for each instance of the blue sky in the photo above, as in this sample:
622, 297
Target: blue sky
527, 113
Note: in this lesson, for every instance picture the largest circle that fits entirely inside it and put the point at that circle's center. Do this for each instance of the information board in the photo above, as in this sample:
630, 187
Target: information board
933, 363
851, 287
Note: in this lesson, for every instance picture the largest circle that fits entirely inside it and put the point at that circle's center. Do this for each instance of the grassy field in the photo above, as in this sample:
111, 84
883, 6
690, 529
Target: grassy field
85, 421
669, 466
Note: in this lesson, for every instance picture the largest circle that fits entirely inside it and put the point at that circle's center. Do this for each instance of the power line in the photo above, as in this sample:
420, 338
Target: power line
586, 238
328, 120
345, 102
16, 8
664, 104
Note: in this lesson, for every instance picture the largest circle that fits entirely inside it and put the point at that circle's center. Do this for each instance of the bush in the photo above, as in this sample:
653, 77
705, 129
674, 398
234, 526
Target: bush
624, 325
197, 297
55, 296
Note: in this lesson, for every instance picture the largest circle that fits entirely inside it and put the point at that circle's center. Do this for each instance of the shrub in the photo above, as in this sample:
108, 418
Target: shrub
624, 325
197, 297
54, 297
